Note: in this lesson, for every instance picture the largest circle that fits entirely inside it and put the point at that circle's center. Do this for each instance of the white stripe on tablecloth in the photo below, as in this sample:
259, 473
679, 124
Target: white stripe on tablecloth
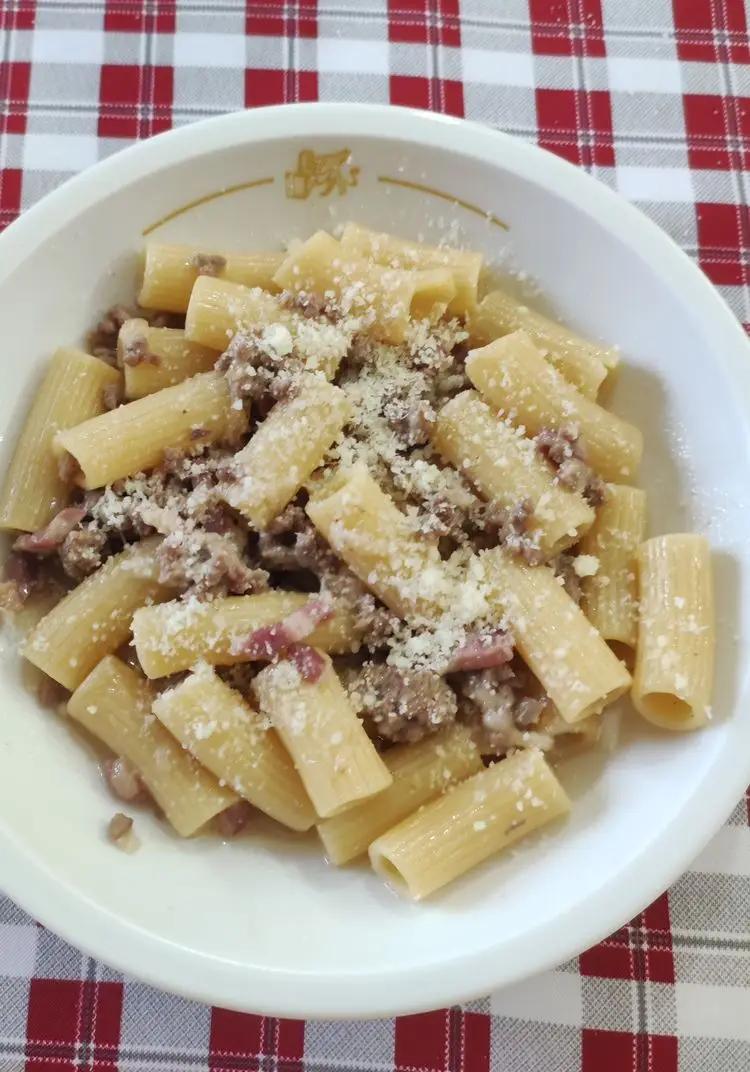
713, 1011
727, 852
553, 997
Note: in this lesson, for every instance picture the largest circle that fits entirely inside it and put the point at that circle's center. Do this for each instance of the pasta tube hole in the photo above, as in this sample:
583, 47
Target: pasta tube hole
666, 707
388, 871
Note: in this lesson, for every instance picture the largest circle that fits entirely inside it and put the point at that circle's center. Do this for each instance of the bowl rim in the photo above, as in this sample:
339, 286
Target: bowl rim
215, 980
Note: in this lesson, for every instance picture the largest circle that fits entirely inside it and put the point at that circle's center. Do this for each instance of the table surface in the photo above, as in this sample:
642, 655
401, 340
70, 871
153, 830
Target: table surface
652, 97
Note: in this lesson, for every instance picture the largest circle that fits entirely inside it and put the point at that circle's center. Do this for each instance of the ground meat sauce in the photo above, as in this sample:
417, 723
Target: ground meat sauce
310, 306
256, 374
401, 706
82, 552
562, 447
564, 567
208, 263
22, 575
205, 544
466, 519
412, 421
136, 352
112, 395
291, 543
497, 704
101, 341
234, 819
208, 564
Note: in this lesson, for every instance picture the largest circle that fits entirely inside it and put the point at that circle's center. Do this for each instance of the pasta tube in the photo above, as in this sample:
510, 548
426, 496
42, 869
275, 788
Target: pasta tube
395, 252
177, 359
420, 773
610, 596
94, 619
582, 363
514, 378
505, 468
676, 635
285, 450
71, 392
471, 822
170, 272
366, 529
114, 703
134, 437
579, 672
336, 760
174, 637
219, 309
434, 288
230, 739
382, 295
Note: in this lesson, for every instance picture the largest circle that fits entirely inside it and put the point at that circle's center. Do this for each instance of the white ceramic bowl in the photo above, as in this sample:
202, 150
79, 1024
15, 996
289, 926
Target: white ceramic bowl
266, 925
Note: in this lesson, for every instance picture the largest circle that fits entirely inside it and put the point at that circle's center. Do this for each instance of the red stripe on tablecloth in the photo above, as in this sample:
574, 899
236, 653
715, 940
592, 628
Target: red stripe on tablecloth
711, 30
434, 94
18, 15
621, 1051
140, 16
724, 243
642, 951
422, 1043
424, 22
653, 940
236, 1041
289, 1044
282, 18
576, 125
134, 101
717, 130
10, 195
611, 959
15, 79
279, 87
73, 1024
567, 27
474, 1053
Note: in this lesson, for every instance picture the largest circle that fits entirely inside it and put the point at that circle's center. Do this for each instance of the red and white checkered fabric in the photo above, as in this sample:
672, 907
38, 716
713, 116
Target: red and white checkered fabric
653, 97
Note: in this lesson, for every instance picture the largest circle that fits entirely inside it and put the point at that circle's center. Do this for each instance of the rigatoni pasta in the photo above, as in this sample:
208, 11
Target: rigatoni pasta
383, 296
327, 562
675, 651
516, 380
386, 249
114, 703
336, 760
478, 818
288, 446
610, 593
582, 363
95, 618
173, 638
506, 469
135, 437
170, 272
154, 358
366, 530
219, 309
579, 672
230, 739
420, 772
71, 392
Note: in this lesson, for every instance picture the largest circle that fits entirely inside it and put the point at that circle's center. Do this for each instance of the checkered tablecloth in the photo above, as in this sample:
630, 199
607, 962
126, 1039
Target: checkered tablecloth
652, 96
